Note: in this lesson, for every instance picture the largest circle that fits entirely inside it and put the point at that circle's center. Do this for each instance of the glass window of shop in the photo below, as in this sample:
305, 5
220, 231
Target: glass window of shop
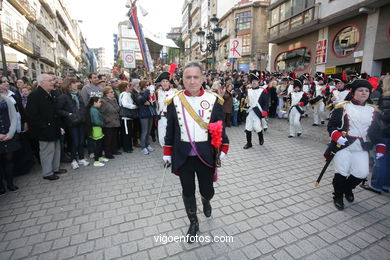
293, 60
346, 41
243, 20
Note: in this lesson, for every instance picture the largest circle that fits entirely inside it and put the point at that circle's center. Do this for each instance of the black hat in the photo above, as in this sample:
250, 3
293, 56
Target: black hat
320, 76
254, 75
297, 83
360, 83
164, 75
339, 78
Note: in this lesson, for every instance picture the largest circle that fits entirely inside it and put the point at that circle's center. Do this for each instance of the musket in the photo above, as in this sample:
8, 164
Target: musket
332, 154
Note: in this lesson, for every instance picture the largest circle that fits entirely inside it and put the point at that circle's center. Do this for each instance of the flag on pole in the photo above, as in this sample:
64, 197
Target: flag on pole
141, 39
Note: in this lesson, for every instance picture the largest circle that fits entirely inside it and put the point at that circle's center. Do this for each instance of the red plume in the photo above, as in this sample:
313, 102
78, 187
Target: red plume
216, 133
344, 76
374, 82
172, 69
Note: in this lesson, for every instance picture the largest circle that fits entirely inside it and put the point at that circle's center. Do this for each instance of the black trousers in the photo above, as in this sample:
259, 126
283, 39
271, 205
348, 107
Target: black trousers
204, 174
110, 142
127, 139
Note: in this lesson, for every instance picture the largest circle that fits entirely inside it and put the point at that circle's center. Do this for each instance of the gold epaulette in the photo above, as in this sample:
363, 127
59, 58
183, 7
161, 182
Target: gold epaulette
376, 108
220, 99
342, 104
169, 99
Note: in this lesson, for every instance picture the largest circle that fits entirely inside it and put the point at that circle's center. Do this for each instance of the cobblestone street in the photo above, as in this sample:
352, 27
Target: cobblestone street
264, 198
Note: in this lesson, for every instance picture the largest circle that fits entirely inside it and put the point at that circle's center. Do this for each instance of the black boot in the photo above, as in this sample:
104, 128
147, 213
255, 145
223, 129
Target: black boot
339, 183
352, 182
261, 138
190, 205
206, 207
248, 140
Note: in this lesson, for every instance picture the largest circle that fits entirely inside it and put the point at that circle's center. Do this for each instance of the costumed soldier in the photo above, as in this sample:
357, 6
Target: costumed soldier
319, 92
349, 126
195, 141
162, 94
298, 100
258, 101
341, 92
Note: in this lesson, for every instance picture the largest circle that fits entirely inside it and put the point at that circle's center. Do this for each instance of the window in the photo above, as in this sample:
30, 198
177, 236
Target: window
285, 11
346, 41
243, 21
275, 16
297, 6
293, 60
246, 44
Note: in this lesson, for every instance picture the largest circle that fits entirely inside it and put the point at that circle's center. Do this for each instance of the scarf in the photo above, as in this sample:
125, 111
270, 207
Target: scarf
74, 96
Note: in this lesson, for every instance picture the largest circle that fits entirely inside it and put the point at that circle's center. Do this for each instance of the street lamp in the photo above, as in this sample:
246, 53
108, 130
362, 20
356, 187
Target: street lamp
3, 60
213, 36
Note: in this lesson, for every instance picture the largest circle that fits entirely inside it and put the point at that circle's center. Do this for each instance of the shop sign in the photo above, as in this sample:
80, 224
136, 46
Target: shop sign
321, 49
330, 71
358, 54
235, 49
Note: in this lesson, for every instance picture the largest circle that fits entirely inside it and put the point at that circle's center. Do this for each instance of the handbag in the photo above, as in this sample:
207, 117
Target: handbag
75, 119
127, 112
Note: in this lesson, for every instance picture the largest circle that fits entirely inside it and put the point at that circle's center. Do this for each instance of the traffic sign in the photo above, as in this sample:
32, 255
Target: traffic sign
228, 64
129, 59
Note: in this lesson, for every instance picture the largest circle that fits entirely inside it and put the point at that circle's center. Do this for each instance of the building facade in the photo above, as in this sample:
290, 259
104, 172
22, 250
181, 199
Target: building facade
40, 36
127, 40
330, 36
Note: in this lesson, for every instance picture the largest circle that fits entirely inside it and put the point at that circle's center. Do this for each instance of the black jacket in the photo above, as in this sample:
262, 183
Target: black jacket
182, 149
66, 105
42, 116
384, 106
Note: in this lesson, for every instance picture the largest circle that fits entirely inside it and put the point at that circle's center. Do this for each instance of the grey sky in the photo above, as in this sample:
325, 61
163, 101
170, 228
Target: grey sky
101, 17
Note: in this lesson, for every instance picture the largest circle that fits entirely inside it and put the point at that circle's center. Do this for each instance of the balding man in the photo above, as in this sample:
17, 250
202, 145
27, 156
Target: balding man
45, 126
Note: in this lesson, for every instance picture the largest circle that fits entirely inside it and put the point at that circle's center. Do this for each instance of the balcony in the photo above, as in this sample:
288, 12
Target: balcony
62, 37
44, 26
47, 4
8, 33
47, 55
23, 44
195, 6
294, 26
25, 8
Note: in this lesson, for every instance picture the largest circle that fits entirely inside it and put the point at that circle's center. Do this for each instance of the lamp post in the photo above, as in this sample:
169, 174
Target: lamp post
213, 36
3, 60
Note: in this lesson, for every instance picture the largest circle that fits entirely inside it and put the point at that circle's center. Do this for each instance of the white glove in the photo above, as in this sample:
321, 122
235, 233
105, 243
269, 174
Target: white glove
222, 156
62, 131
379, 155
342, 140
167, 159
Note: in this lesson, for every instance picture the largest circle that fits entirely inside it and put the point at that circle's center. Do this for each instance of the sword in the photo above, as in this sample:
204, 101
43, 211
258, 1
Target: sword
332, 154
166, 166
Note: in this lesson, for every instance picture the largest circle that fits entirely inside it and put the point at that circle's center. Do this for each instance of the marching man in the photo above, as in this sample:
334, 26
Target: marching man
340, 93
258, 101
195, 141
162, 94
298, 100
318, 101
349, 126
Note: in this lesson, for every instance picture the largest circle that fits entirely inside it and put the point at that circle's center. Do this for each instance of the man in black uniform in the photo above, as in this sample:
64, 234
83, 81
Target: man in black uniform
189, 145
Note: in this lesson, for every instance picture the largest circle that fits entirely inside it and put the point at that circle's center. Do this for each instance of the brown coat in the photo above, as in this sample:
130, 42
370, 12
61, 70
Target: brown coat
110, 112
228, 104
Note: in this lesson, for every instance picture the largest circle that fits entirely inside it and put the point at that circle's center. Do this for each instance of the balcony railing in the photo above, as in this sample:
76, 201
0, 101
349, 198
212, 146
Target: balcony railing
8, 34
294, 22
48, 5
45, 27
25, 8
24, 43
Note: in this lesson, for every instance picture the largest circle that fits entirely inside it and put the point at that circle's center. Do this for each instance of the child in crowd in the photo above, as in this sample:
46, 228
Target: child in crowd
96, 131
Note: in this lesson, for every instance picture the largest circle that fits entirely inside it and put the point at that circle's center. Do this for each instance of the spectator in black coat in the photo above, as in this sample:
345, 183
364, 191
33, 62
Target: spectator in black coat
44, 125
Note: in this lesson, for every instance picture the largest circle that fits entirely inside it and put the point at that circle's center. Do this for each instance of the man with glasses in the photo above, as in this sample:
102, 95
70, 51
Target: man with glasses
45, 126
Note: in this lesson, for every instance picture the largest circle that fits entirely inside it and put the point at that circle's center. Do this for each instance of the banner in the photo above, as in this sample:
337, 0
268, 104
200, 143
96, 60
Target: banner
141, 40
321, 52
235, 48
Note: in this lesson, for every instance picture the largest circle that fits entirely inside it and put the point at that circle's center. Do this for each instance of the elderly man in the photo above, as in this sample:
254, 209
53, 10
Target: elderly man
190, 143
45, 126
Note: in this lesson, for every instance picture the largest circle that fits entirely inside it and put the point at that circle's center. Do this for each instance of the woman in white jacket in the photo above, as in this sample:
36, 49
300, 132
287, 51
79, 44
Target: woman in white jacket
126, 100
